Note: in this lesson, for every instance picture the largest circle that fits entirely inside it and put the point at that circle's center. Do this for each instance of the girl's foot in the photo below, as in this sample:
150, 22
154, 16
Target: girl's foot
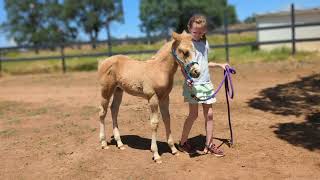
214, 150
186, 148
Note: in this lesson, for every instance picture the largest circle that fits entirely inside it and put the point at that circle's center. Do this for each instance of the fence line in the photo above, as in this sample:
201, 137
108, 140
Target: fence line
225, 31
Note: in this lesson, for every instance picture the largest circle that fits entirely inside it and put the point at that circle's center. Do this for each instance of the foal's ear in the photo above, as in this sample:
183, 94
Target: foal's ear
176, 36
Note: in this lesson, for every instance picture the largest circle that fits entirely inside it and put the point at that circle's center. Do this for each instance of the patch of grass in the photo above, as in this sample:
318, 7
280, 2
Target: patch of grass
7, 105
27, 67
10, 106
88, 111
39, 111
8, 133
243, 55
13, 120
36, 130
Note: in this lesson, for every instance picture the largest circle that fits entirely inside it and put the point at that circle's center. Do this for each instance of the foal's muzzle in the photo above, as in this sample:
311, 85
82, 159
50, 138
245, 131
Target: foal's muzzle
193, 69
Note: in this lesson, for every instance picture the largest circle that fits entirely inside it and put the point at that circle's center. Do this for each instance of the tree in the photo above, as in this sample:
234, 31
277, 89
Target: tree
93, 16
60, 28
25, 21
157, 16
250, 19
38, 23
160, 16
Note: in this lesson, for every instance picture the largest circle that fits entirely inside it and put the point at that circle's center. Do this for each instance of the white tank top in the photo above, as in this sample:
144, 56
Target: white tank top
201, 57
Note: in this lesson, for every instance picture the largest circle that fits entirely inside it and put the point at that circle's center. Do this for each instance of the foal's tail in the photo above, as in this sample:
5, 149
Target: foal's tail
105, 70
100, 62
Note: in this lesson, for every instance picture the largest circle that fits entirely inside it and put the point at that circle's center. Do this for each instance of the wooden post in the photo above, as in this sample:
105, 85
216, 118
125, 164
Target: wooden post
64, 68
226, 38
293, 30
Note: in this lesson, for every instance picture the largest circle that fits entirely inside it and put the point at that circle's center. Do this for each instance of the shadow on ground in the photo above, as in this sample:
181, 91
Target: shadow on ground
298, 98
137, 142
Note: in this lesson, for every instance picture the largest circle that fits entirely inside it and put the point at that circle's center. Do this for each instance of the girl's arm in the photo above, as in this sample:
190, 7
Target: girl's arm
223, 66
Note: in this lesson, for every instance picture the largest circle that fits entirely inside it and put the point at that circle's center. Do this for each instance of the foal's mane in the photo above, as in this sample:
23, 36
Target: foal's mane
163, 52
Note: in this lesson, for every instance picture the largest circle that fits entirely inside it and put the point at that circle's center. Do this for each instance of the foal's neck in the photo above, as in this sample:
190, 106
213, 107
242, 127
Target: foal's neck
165, 60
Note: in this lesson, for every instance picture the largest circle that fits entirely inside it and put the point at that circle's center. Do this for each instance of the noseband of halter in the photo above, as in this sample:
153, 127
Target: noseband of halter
184, 67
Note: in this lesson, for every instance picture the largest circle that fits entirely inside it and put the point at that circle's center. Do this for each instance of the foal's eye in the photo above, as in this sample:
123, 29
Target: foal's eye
186, 54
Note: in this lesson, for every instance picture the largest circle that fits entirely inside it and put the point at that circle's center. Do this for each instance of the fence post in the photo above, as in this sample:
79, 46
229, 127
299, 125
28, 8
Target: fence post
226, 38
293, 30
64, 68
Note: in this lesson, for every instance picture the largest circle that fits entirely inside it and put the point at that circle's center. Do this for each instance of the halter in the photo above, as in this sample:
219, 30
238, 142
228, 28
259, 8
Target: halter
184, 67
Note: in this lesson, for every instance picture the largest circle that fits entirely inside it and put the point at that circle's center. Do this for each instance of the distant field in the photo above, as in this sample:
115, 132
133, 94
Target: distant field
237, 55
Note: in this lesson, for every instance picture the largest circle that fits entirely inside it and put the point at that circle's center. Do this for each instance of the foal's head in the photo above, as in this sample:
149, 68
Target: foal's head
184, 52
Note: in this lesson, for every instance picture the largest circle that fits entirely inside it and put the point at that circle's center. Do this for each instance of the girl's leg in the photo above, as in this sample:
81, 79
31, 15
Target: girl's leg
193, 114
210, 146
208, 116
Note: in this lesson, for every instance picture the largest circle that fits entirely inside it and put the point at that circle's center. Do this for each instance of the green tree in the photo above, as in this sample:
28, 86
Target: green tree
38, 23
250, 19
158, 16
60, 28
93, 16
25, 21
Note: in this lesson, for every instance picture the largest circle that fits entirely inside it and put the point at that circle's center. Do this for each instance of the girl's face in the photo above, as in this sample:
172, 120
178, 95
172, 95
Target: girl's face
197, 31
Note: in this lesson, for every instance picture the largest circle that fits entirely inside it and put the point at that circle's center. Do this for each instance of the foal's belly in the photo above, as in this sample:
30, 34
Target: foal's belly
135, 88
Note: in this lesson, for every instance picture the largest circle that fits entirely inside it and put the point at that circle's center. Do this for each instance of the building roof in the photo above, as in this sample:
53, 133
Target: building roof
315, 11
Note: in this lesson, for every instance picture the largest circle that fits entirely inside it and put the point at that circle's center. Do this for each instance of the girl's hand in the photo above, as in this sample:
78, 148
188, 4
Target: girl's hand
223, 66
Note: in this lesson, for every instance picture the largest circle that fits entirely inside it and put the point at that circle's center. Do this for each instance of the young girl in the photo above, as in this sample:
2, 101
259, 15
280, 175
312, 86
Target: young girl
202, 87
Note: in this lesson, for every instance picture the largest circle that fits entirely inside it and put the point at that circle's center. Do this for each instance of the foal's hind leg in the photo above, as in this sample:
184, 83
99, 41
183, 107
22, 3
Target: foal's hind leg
117, 98
153, 103
102, 115
164, 109
106, 93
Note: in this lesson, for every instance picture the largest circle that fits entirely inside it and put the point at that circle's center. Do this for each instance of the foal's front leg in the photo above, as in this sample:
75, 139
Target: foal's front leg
154, 120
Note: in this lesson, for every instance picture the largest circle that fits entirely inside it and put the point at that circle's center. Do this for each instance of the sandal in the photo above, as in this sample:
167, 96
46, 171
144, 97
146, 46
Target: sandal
214, 150
186, 148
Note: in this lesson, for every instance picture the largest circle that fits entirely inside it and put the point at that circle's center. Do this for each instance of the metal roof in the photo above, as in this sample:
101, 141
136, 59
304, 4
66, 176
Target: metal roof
286, 13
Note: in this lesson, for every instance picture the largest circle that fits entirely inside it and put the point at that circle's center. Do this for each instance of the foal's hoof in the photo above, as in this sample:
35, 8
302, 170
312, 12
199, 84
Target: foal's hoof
158, 161
121, 147
104, 145
176, 153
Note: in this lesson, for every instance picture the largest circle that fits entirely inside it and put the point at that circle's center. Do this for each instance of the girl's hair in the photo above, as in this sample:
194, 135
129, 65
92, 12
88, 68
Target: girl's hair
199, 20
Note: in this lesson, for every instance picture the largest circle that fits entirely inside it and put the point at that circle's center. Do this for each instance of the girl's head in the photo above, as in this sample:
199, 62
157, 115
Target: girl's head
197, 27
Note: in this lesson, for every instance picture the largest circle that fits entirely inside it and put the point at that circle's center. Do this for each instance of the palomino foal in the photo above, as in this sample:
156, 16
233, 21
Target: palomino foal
151, 80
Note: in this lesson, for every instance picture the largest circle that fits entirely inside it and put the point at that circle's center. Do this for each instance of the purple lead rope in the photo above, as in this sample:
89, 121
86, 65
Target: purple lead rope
226, 80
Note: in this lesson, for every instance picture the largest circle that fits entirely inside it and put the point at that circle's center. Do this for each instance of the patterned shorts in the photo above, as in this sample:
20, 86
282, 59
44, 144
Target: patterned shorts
202, 91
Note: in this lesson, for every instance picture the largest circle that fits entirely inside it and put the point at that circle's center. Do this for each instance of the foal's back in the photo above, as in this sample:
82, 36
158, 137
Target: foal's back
135, 77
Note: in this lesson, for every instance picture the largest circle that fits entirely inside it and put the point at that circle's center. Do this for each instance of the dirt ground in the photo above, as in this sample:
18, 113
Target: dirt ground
49, 128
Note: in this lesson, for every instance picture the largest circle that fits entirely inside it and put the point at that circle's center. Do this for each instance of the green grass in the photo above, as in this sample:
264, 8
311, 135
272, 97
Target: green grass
237, 55
8, 133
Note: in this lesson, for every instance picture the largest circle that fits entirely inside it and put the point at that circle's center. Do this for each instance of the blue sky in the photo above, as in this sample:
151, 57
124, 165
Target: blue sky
131, 28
